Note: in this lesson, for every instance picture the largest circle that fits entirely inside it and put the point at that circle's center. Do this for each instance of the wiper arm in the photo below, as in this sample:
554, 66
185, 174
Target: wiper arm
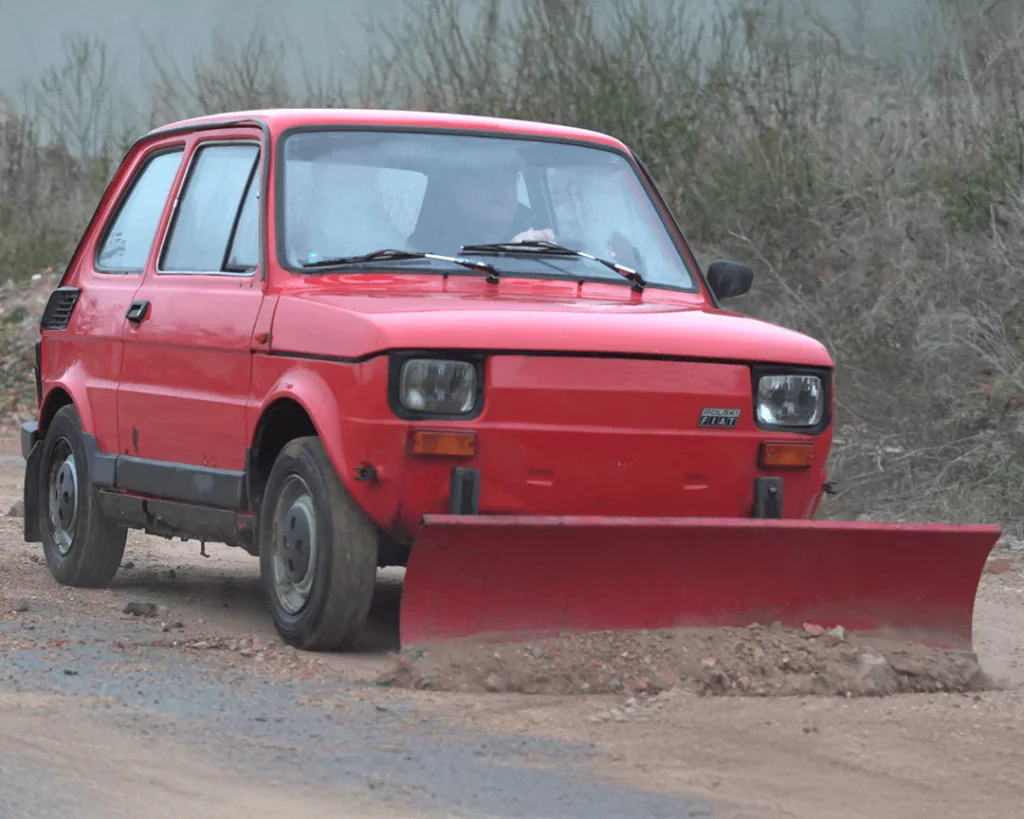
551, 249
392, 255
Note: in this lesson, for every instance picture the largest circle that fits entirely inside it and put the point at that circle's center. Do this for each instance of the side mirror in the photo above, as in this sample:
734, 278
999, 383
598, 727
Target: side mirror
729, 279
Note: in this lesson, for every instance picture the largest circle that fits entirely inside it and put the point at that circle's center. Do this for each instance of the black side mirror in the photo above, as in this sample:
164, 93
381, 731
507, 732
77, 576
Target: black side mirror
729, 279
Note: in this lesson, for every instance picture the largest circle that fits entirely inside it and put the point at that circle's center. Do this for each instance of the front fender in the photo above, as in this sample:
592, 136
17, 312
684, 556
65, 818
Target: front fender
347, 404
309, 390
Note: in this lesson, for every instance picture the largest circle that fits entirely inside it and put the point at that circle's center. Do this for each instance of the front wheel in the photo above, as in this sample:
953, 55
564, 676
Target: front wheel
318, 551
82, 546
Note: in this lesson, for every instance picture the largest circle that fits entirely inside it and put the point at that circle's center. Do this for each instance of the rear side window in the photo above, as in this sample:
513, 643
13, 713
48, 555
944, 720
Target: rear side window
210, 214
129, 235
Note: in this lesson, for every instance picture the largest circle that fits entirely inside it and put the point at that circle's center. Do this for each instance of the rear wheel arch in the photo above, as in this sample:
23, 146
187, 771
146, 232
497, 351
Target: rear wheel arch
81, 545
55, 400
68, 387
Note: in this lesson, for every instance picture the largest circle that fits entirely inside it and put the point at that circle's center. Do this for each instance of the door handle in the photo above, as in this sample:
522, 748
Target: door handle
137, 311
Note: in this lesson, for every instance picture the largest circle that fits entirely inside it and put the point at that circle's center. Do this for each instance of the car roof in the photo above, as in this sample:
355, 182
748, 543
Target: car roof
280, 119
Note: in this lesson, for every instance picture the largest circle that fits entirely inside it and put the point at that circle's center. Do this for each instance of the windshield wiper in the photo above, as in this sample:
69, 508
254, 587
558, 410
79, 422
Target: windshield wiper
392, 255
551, 249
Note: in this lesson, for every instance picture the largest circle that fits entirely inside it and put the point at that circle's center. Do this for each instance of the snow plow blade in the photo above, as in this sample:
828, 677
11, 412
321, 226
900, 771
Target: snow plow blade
518, 577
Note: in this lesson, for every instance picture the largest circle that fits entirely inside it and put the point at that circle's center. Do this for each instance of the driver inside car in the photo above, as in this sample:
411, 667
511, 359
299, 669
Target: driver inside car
474, 206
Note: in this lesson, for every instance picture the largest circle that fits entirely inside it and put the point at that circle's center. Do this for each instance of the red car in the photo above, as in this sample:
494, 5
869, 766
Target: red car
310, 332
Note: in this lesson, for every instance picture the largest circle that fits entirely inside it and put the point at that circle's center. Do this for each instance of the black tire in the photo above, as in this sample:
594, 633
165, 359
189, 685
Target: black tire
82, 546
308, 520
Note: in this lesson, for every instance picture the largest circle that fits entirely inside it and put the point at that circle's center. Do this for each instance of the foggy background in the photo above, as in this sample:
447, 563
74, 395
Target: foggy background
330, 34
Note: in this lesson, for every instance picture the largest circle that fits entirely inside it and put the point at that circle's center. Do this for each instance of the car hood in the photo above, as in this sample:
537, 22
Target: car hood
347, 323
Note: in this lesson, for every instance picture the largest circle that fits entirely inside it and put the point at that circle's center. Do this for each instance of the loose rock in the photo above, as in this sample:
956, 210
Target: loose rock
140, 609
875, 673
17, 510
494, 683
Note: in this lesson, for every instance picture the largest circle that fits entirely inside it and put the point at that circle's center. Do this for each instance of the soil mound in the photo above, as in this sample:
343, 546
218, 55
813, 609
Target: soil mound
754, 661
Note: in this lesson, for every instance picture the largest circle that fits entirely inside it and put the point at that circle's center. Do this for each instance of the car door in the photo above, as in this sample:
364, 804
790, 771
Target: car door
189, 334
110, 269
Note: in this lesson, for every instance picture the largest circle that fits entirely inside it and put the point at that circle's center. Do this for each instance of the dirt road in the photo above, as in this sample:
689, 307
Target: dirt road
198, 710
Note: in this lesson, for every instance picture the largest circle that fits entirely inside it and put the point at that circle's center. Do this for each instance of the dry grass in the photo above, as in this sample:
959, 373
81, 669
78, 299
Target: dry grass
882, 209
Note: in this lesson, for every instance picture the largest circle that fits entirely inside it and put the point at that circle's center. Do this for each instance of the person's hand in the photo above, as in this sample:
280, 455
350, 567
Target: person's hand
543, 235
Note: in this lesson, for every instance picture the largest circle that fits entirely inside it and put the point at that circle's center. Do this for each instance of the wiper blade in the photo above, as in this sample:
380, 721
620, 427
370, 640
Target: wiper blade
392, 255
552, 249
385, 254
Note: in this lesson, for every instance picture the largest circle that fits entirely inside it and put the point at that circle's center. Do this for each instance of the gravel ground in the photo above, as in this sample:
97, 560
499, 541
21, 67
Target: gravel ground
173, 684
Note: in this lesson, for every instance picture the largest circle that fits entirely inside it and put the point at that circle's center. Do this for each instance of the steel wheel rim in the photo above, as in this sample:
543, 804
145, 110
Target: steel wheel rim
294, 545
63, 497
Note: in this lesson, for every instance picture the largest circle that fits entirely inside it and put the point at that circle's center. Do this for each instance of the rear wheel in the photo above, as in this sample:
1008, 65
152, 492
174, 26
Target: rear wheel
318, 551
81, 545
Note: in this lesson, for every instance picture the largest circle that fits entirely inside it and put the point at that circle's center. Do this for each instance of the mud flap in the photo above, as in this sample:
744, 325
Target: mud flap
514, 577
31, 494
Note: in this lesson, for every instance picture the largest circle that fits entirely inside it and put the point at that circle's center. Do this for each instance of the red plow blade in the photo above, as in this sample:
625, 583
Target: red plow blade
515, 577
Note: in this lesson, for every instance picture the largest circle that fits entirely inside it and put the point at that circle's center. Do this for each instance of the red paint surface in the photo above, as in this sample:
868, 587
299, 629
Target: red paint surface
186, 373
350, 410
557, 436
577, 436
85, 360
359, 314
516, 575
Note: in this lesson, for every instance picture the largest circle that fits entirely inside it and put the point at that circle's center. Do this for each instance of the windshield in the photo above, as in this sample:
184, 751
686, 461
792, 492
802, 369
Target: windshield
348, 192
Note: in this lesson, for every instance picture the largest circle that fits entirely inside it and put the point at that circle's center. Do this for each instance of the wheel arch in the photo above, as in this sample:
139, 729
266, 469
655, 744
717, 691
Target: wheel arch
55, 400
300, 403
282, 420
303, 402
67, 387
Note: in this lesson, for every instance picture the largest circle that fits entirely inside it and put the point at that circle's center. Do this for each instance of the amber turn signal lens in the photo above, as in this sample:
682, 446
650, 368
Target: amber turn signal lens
776, 455
450, 444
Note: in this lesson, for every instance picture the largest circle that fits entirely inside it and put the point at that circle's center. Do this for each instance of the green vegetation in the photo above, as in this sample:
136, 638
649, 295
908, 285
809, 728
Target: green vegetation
883, 211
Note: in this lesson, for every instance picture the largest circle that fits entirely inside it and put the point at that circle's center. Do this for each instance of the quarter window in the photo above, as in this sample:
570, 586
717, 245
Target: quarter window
129, 237
209, 218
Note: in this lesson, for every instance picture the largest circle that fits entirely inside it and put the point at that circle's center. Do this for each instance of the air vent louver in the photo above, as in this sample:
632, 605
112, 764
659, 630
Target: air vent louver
58, 309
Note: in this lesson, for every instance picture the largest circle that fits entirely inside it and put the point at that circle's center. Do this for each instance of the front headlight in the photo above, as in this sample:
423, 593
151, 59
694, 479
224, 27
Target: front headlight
438, 386
790, 400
